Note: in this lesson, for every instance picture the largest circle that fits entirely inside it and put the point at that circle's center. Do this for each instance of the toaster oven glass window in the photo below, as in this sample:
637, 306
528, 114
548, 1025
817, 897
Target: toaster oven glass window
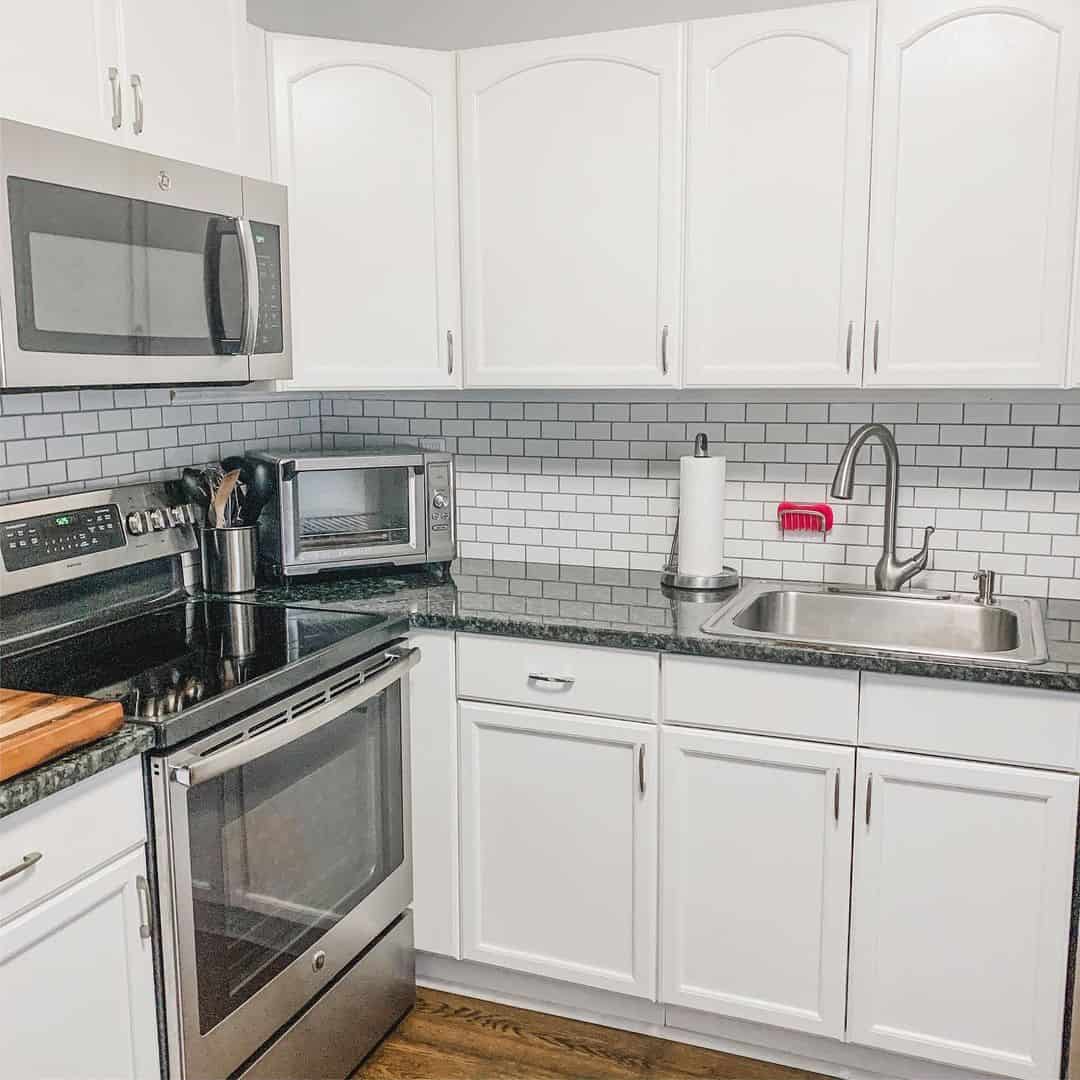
349, 508
104, 275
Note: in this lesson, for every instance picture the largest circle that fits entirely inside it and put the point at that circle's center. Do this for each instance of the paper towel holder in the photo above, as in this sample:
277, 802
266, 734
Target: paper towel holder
670, 576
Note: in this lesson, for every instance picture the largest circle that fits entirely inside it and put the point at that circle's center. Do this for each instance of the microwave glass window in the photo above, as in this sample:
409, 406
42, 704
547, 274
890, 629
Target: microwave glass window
347, 508
284, 847
100, 274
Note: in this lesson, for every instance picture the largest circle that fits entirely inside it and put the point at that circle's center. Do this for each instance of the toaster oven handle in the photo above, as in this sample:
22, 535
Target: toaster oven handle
291, 466
249, 268
394, 664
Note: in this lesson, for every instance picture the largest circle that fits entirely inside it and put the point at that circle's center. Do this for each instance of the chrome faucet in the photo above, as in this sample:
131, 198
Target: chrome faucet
890, 574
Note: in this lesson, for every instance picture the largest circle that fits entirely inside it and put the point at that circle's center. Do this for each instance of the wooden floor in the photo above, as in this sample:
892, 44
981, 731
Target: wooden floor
447, 1037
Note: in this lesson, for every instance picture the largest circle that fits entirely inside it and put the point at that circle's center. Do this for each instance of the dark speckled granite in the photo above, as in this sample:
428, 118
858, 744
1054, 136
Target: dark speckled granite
627, 609
63, 772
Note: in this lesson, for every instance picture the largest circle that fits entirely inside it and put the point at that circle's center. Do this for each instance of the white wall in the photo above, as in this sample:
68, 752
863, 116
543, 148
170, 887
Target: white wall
463, 24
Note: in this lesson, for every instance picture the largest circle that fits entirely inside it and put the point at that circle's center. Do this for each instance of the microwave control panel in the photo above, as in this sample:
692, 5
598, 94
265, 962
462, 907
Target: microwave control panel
440, 511
267, 238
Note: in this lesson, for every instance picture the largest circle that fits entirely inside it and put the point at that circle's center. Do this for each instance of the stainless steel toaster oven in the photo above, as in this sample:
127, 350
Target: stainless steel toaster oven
339, 510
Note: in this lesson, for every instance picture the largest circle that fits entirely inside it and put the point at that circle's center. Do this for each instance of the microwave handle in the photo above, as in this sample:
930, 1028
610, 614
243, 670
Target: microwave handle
249, 265
397, 663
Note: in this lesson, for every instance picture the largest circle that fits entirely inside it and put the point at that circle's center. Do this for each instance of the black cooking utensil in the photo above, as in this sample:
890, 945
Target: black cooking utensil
259, 479
192, 487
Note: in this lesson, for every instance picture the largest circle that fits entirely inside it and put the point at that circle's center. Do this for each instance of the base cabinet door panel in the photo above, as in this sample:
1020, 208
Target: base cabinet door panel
961, 900
558, 841
974, 192
77, 983
756, 863
776, 251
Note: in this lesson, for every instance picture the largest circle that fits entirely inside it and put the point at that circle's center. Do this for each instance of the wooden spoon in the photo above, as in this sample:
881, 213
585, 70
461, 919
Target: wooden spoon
221, 497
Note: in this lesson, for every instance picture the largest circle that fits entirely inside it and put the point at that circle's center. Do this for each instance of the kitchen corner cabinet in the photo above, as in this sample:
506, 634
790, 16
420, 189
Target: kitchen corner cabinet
571, 180
778, 174
77, 983
974, 192
365, 137
152, 75
755, 915
558, 845
1075, 339
960, 925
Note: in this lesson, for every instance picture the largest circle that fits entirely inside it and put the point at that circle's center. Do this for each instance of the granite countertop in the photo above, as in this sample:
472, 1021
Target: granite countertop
76, 765
628, 609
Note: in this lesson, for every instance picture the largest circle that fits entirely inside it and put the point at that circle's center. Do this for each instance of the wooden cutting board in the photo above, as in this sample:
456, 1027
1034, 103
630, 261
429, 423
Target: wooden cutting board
36, 727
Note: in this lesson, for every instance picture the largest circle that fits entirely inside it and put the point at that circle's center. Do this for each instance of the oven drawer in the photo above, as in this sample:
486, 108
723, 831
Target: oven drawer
75, 831
550, 675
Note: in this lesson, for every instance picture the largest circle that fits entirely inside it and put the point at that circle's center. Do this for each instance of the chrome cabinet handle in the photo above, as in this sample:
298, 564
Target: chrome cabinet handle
557, 682
877, 330
140, 111
663, 350
142, 887
449, 352
117, 98
22, 867
641, 768
850, 334
869, 795
836, 796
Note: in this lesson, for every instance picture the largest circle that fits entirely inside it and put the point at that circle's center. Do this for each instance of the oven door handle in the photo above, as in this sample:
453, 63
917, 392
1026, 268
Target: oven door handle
396, 664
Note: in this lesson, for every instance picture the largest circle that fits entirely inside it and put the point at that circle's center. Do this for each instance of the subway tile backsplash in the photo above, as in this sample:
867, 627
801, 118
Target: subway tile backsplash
551, 478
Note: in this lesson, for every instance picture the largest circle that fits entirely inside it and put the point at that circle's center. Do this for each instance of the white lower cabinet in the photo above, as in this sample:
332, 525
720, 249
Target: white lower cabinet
558, 843
960, 924
77, 982
756, 864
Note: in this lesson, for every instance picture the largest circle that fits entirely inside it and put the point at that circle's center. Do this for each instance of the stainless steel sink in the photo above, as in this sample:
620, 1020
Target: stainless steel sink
922, 623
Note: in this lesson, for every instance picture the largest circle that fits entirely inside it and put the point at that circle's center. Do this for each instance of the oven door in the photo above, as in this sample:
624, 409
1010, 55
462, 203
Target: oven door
118, 267
283, 851
342, 511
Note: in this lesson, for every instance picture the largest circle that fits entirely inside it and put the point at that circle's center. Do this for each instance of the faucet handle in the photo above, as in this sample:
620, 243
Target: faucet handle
987, 580
927, 533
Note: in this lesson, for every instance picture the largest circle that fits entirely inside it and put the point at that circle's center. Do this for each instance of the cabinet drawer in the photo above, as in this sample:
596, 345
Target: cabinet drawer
576, 678
767, 699
991, 723
75, 830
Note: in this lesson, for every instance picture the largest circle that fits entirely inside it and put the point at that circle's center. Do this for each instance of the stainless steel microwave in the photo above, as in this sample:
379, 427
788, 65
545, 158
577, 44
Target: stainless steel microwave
344, 509
118, 267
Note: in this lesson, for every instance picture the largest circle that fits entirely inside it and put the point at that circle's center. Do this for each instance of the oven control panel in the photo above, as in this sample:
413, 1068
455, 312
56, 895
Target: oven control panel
49, 538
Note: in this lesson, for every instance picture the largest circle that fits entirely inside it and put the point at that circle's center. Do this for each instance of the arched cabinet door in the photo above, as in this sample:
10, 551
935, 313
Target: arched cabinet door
571, 170
778, 174
365, 137
974, 192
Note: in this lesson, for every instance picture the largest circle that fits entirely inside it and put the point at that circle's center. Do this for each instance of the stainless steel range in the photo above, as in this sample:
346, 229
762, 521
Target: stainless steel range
279, 785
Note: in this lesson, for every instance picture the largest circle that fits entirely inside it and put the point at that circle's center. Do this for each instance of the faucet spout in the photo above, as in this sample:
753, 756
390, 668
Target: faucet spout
890, 574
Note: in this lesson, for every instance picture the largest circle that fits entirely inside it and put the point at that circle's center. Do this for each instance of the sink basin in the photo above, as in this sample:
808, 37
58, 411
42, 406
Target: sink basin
923, 623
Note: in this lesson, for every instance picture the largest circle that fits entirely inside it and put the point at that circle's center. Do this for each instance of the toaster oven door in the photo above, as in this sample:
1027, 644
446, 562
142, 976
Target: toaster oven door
338, 512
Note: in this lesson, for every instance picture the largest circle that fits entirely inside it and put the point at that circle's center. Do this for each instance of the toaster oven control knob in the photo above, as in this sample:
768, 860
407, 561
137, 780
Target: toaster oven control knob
136, 523
440, 501
157, 520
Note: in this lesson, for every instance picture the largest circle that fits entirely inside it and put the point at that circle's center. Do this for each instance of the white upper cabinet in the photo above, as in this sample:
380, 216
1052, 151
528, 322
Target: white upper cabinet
571, 171
778, 174
756, 850
974, 192
184, 68
1075, 369
55, 62
962, 888
365, 138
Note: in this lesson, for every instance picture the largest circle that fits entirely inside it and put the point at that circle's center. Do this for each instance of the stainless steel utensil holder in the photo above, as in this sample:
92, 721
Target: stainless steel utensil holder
228, 559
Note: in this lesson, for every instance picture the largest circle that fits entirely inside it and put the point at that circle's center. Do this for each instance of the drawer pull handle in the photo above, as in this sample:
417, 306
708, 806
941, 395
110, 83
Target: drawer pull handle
22, 867
556, 682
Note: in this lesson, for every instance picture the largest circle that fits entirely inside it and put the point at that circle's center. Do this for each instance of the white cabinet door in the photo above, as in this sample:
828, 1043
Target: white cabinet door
973, 194
571, 172
434, 761
755, 878
77, 983
55, 61
778, 175
1075, 337
960, 924
190, 60
558, 845
365, 137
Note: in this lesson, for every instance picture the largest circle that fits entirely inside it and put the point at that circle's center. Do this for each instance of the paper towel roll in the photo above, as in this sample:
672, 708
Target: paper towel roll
701, 515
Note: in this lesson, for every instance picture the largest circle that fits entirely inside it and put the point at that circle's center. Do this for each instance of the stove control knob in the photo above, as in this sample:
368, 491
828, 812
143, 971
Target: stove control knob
175, 515
189, 513
136, 522
440, 501
157, 520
